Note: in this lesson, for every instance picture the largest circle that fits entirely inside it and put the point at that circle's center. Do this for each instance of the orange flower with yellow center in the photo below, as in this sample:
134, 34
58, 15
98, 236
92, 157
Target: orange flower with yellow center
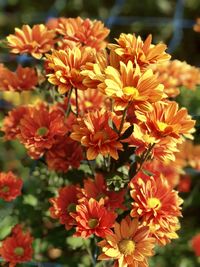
65, 66
129, 244
130, 86
95, 133
166, 119
35, 41
155, 202
132, 48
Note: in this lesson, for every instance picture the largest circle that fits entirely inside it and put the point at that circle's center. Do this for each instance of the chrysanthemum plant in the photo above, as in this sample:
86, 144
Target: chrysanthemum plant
107, 110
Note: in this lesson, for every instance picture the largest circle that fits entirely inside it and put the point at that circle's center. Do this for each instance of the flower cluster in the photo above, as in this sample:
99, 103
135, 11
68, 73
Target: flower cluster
17, 247
103, 110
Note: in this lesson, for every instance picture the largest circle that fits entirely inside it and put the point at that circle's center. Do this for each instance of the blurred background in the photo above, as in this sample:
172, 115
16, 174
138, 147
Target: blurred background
170, 21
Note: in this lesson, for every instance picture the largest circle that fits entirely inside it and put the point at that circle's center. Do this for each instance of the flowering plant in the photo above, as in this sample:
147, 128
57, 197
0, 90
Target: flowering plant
100, 119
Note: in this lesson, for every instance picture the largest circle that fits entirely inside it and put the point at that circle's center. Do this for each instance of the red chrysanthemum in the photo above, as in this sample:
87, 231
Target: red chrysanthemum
17, 248
22, 79
92, 217
184, 183
12, 121
196, 244
97, 188
40, 128
10, 186
64, 204
64, 154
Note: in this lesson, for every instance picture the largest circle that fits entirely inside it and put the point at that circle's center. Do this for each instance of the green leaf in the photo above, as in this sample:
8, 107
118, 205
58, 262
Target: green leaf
77, 242
30, 200
5, 209
6, 226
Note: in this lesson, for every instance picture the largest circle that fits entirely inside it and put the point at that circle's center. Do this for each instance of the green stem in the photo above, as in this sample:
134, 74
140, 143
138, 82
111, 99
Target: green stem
68, 101
145, 157
89, 253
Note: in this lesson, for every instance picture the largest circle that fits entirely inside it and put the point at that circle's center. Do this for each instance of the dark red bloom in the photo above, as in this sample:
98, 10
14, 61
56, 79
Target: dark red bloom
10, 186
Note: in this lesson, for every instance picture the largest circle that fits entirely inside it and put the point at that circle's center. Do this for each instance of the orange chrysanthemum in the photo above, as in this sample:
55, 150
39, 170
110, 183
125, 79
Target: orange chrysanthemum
88, 100
184, 183
95, 133
195, 242
80, 32
10, 186
97, 188
129, 245
197, 25
92, 217
22, 79
174, 74
142, 139
64, 204
94, 73
17, 248
168, 169
166, 119
12, 121
40, 128
132, 48
188, 155
156, 204
129, 85
65, 153
65, 66
35, 41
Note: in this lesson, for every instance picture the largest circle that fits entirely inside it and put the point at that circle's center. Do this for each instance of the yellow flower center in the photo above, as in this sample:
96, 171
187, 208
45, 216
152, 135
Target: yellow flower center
19, 251
93, 223
5, 189
154, 203
71, 207
126, 247
88, 104
42, 131
162, 125
131, 91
